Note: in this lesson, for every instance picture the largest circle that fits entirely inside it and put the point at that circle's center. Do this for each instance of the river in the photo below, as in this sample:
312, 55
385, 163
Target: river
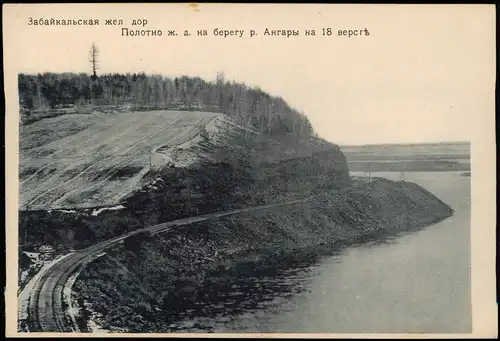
412, 282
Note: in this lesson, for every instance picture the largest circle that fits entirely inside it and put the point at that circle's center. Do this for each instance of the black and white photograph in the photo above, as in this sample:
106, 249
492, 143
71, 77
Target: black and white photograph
250, 169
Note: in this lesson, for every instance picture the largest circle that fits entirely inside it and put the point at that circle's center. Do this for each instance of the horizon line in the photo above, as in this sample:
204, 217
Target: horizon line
404, 143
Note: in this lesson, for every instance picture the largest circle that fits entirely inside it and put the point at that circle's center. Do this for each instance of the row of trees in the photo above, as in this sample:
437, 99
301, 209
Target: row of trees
249, 106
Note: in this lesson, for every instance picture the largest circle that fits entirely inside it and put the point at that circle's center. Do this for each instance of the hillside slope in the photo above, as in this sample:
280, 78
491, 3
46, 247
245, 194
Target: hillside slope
235, 176
151, 283
98, 159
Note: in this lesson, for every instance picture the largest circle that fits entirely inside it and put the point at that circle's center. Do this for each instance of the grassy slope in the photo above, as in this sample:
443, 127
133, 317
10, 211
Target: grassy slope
77, 163
165, 275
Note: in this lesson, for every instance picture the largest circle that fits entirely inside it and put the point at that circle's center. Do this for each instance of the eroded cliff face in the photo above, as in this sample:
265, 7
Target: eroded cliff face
148, 283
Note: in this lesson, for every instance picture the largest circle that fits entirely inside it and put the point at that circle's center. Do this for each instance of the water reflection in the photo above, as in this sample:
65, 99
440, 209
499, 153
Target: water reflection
250, 287
247, 287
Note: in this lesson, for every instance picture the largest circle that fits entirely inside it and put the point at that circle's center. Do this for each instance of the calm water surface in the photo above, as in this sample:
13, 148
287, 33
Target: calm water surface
411, 282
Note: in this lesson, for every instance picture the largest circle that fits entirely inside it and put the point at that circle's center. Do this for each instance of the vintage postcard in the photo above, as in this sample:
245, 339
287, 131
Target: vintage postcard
229, 170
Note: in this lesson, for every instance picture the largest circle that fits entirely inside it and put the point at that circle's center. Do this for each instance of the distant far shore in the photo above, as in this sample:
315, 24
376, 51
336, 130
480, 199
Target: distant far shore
412, 166
415, 157
409, 144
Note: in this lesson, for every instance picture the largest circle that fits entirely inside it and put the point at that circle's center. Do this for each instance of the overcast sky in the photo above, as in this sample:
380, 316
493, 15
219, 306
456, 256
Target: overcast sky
424, 74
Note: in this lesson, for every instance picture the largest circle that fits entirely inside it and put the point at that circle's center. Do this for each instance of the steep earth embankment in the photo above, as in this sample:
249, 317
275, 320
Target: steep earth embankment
236, 170
236, 177
147, 284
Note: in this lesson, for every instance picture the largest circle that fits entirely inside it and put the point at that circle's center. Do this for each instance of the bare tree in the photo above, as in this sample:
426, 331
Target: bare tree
94, 59
221, 77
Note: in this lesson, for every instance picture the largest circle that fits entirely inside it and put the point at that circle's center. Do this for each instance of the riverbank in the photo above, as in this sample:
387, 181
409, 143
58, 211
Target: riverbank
149, 283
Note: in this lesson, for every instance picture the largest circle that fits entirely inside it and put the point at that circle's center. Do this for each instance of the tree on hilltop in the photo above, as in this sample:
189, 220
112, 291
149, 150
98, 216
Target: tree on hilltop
94, 60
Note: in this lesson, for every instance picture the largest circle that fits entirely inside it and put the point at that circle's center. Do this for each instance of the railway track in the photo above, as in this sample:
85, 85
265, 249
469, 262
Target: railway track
46, 311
